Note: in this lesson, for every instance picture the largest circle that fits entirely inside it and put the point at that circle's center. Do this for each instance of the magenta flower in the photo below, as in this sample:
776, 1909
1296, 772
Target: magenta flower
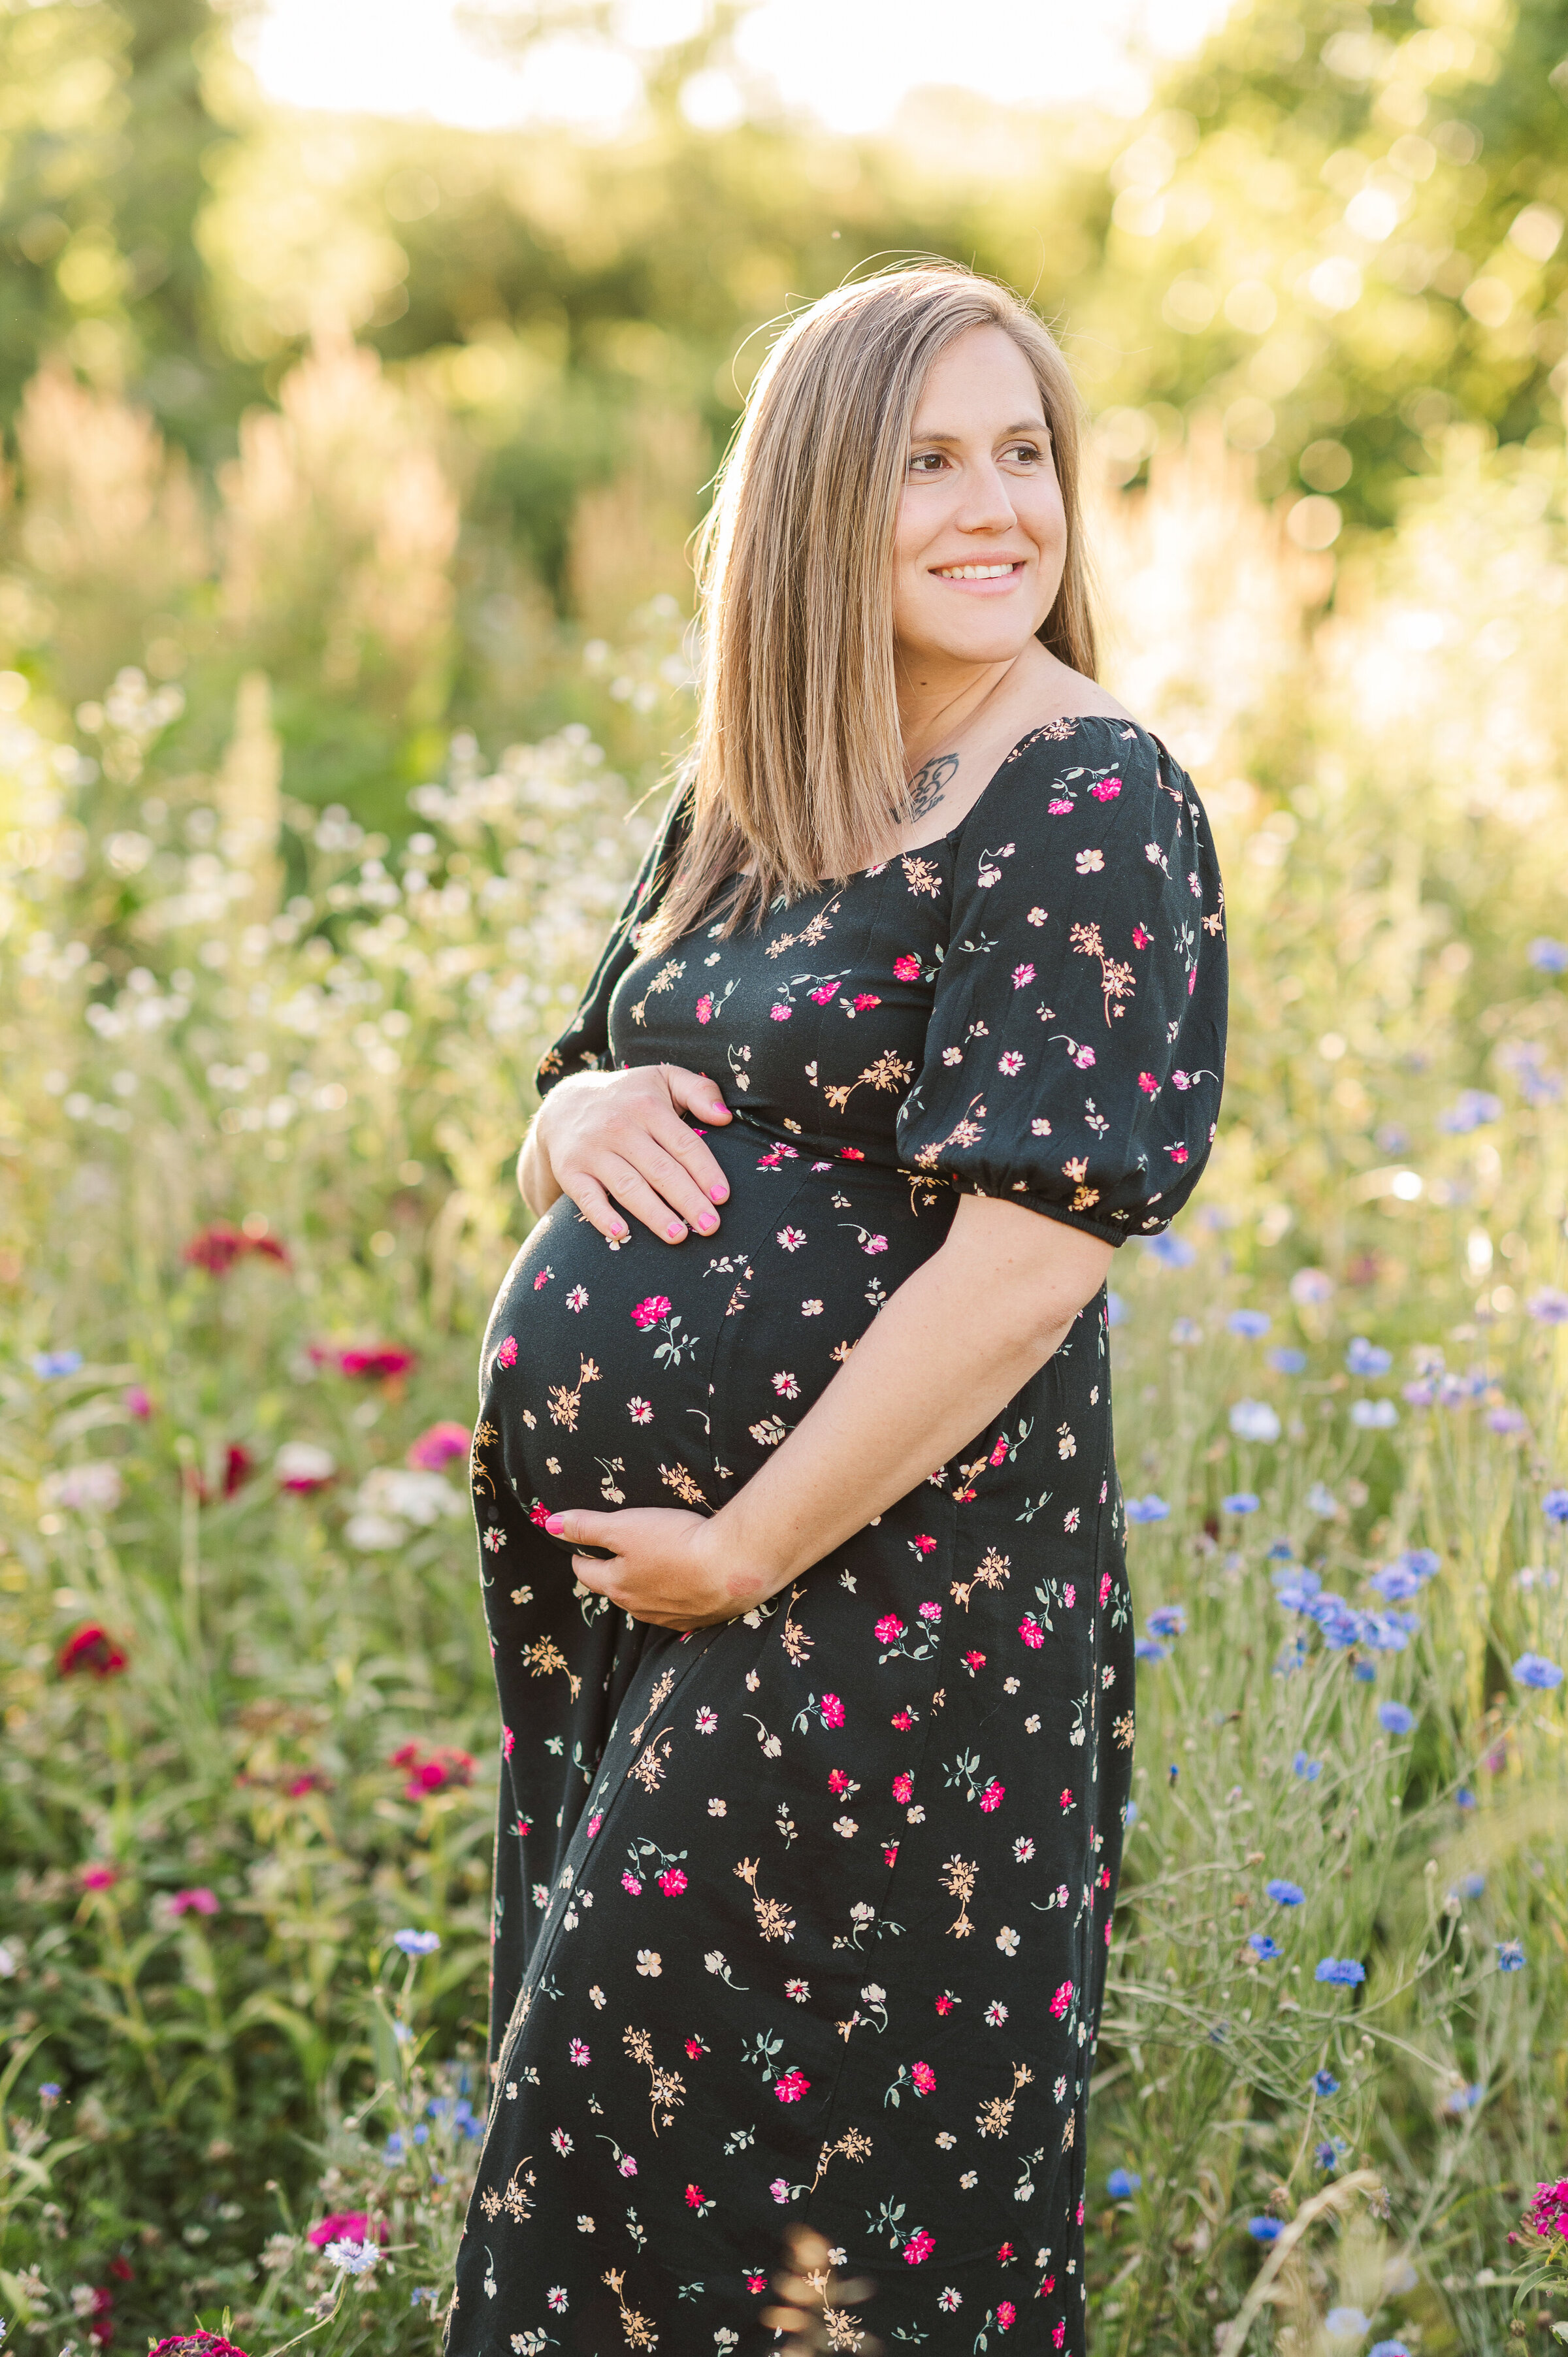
377, 1361
672, 1881
919, 2247
647, 1313
780, 1014
889, 1628
1031, 1631
1022, 976
199, 1902
90, 1647
924, 2077
706, 1007
99, 1877
1061, 2001
438, 1447
992, 1797
138, 1403
790, 2086
907, 968
507, 1355
346, 2227
629, 1882
903, 1787
832, 1711
1107, 790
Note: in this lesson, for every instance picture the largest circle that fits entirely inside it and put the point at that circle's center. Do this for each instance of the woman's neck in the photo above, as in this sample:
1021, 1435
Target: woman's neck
940, 702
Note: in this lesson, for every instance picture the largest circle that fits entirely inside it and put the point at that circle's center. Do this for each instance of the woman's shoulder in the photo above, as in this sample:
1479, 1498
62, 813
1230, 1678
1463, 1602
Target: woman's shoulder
1101, 763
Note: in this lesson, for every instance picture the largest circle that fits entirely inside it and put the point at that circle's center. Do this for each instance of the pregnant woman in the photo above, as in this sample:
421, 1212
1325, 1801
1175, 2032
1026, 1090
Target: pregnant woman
801, 1536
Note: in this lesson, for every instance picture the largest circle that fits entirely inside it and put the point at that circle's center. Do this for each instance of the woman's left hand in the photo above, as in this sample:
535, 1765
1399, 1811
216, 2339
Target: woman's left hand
670, 1566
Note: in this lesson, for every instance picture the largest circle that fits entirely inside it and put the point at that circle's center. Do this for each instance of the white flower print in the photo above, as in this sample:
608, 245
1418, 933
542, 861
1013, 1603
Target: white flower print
791, 1239
1007, 1940
995, 2012
584, 2224
797, 1991
557, 2297
811, 1308
948, 2299
650, 1962
1035, 917
1090, 862
1022, 1849
639, 1411
846, 1826
596, 1997
495, 1539
786, 1386
952, 1055
1012, 1063
969, 2179
707, 1720
577, 1298
1040, 1127
561, 2141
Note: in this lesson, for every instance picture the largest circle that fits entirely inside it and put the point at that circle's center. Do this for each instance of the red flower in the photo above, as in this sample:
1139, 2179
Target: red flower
890, 1854
90, 1647
378, 1361
435, 1447
907, 968
345, 2226
196, 2344
851, 1154
864, 998
121, 2270
999, 1454
647, 1313
215, 1249
694, 2197
924, 2077
432, 1772
903, 1787
507, 1355
672, 1881
1006, 2253
311, 1781
539, 1513
1031, 1631
755, 2282
790, 2086
903, 1719
923, 1545
946, 2003
919, 2247
99, 1877
1006, 2315
694, 2046
238, 1466
837, 1780
1148, 1083
1140, 940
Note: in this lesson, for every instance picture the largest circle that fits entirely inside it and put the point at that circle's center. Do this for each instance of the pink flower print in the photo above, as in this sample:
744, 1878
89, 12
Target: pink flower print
907, 968
1061, 808
755, 2282
542, 1279
823, 992
1183, 1081
1083, 1057
694, 2197
639, 1410
931, 1611
1104, 1588
1059, 2334
695, 2050
507, 1355
999, 1454
672, 1881
578, 2052
924, 1543
577, 1299
846, 1154
594, 1822
628, 1881
647, 1313
864, 998
946, 2002
1007, 2313
539, 1513
626, 2166
1071, 1518
832, 1711
509, 1743
918, 2247
706, 1007
838, 1782
890, 1854
524, 1827
1107, 790
1176, 1153
992, 1797
903, 1787
874, 1244
1006, 2255
1061, 1894
1022, 976
1069, 1595
889, 1628
780, 1014
1061, 2001
924, 2077
973, 1661
1068, 1801
1140, 940
1032, 1634
903, 1719
791, 1239
790, 2086
1012, 1063
1148, 1083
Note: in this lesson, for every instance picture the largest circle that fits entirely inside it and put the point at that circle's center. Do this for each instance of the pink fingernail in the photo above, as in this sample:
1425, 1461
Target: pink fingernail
555, 1525
719, 1194
707, 1224
675, 1232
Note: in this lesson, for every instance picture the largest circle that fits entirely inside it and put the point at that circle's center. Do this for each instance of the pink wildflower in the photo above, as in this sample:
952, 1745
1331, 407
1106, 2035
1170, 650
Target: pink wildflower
379, 1362
199, 1902
438, 1447
90, 1647
99, 1877
346, 2226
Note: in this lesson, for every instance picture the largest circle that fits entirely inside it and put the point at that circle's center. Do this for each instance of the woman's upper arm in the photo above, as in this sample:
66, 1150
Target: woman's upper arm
1031, 1272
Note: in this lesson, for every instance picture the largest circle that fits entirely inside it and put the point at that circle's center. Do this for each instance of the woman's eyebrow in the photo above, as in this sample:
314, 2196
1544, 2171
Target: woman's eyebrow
1027, 425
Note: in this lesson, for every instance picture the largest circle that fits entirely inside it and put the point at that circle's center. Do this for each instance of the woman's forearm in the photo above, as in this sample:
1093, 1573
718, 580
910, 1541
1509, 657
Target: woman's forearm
957, 1341
536, 1181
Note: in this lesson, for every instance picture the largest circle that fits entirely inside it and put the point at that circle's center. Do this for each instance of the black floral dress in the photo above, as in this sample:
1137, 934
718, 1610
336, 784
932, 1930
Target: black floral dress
805, 1918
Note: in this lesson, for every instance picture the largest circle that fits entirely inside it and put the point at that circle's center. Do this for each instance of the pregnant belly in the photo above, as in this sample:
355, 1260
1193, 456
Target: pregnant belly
666, 1374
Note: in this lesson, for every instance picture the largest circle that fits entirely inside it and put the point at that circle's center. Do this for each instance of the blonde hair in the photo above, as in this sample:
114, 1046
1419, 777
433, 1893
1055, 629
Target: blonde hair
797, 774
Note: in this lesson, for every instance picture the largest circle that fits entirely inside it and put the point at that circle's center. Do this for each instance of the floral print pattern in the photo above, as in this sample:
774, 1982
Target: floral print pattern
805, 1918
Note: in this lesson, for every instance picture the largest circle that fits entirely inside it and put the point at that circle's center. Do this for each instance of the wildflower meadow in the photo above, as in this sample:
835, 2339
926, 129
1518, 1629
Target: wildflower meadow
290, 897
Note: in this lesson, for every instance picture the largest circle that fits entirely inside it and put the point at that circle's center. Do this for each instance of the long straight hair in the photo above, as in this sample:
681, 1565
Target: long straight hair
798, 773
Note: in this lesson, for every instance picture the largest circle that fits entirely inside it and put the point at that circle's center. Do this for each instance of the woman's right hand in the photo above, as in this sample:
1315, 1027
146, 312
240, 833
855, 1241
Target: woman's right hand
605, 1138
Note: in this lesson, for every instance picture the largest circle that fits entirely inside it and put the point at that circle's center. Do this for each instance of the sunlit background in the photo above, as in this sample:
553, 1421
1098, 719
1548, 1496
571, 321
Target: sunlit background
363, 372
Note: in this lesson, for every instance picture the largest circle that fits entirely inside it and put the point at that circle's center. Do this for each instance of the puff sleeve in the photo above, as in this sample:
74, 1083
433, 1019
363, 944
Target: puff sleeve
1077, 1041
585, 1045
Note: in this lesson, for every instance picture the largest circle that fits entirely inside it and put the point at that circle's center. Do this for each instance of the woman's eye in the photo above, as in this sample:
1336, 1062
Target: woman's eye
1025, 451
925, 462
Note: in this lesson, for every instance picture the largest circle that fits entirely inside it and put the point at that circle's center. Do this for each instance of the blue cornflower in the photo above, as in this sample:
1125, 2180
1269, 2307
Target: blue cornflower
1263, 1948
1396, 1582
1471, 1886
1321, 1500
1463, 1798
1535, 1670
417, 1943
1324, 2082
1349, 2323
1329, 2152
1171, 1252
1474, 1109
1186, 1332
1241, 1502
1510, 1955
1116, 1310
1364, 1358
1250, 1324
1168, 1620
393, 2147
1149, 1648
1253, 1419
1395, 1719
1374, 1416
1265, 2230
49, 2092
1549, 1307
1122, 2182
1151, 1509
1364, 1672
1130, 1814
1387, 2349
354, 2258
1344, 1972
1286, 1362
1460, 2100
1547, 956
1309, 1771
48, 1364
1285, 1894
1554, 1505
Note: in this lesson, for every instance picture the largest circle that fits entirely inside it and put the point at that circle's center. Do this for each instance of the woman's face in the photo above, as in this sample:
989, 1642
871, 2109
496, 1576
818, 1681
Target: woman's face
981, 539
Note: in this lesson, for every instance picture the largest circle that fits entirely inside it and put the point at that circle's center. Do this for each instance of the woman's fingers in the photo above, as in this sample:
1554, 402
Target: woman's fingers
620, 1177
694, 1092
596, 1207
